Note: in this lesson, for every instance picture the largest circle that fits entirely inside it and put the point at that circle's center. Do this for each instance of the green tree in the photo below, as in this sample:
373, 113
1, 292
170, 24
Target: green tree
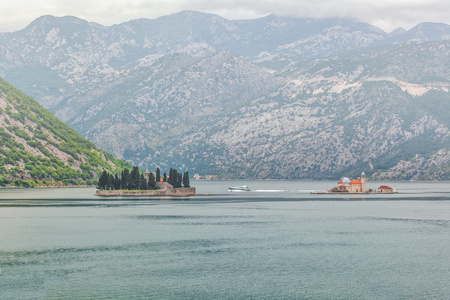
103, 181
173, 177
3, 181
110, 182
151, 182
125, 178
186, 179
135, 179
165, 177
158, 175
179, 180
117, 182
143, 183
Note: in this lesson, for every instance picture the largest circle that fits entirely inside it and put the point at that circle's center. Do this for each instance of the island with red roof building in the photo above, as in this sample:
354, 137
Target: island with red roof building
348, 186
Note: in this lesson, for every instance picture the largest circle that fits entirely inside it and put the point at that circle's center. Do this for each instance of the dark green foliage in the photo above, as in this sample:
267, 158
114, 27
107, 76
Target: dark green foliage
4, 181
158, 175
111, 183
117, 182
107, 181
151, 182
125, 178
18, 132
143, 183
186, 179
134, 179
179, 180
103, 181
171, 177
39, 134
175, 178
34, 144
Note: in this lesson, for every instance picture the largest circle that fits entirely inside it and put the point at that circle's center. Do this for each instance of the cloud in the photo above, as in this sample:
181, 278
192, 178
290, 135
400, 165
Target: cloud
386, 14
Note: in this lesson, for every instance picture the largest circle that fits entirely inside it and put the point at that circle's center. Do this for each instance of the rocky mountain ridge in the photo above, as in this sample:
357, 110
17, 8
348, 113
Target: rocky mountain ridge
275, 97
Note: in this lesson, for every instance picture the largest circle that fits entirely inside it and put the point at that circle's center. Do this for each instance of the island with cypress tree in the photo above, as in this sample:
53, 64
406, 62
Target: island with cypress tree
135, 183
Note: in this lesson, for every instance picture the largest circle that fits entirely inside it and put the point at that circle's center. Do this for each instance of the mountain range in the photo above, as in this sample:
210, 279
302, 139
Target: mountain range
275, 97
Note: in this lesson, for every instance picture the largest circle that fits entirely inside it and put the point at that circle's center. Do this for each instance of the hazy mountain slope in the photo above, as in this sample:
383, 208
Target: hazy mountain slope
316, 136
38, 149
164, 101
424, 32
79, 51
275, 97
9, 59
337, 115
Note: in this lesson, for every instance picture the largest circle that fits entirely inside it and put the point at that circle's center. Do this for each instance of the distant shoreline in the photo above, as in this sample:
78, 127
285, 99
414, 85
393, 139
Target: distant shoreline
46, 187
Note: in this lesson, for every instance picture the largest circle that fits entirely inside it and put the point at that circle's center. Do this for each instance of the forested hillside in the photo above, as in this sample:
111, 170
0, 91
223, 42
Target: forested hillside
37, 149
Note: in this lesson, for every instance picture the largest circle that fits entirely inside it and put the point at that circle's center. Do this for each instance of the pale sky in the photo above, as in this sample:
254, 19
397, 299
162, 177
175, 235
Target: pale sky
386, 14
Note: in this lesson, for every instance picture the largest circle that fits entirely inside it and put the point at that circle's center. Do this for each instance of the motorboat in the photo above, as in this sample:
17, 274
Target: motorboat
239, 188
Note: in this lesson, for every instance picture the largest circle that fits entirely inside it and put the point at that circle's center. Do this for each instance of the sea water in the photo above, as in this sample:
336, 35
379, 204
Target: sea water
275, 242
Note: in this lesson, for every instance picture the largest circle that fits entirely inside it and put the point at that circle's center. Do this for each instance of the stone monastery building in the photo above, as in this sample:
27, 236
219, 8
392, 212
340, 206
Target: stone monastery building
351, 186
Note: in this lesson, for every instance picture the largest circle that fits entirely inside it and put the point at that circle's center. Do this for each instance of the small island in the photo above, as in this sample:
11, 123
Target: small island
347, 186
145, 184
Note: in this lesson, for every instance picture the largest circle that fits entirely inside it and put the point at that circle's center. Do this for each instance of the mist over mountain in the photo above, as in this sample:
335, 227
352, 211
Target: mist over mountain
276, 97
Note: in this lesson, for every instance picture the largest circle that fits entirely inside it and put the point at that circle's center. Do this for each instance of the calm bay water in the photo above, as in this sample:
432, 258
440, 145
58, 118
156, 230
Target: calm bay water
275, 242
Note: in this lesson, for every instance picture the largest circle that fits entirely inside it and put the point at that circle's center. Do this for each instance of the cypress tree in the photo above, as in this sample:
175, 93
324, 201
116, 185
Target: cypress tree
186, 180
165, 177
143, 183
103, 181
151, 182
135, 179
100, 182
110, 182
117, 182
179, 180
125, 179
172, 177
158, 175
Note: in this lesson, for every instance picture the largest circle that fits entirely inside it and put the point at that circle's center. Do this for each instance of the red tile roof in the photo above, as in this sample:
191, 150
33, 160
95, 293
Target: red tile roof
384, 187
352, 182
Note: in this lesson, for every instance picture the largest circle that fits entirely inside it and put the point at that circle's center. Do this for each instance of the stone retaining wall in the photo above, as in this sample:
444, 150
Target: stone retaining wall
180, 192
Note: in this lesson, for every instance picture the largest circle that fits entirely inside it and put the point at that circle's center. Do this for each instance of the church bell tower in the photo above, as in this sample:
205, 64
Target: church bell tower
363, 182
